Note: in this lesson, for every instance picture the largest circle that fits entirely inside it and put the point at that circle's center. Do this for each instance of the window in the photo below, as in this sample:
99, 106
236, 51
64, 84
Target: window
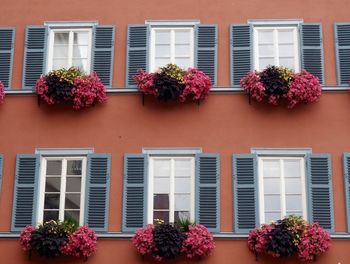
62, 185
276, 46
171, 45
69, 47
171, 188
281, 187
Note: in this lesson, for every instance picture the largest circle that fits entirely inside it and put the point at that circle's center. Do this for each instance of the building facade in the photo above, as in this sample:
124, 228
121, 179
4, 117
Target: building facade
228, 163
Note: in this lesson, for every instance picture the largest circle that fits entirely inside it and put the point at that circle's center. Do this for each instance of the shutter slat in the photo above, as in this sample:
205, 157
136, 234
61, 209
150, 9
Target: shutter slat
103, 51
208, 191
346, 171
97, 182
7, 39
34, 55
137, 51
206, 50
312, 50
246, 216
134, 192
25, 193
241, 48
320, 190
342, 47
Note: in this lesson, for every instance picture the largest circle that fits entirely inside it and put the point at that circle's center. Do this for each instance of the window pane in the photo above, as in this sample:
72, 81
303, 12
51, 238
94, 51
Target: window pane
162, 167
80, 51
72, 215
182, 202
183, 63
285, 36
264, 62
74, 167
269, 217
73, 184
293, 185
272, 202
286, 50
59, 64
80, 64
52, 201
182, 50
50, 215
161, 185
81, 38
287, 62
272, 186
161, 201
182, 215
72, 201
183, 167
265, 36
162, 51
292, 168
162, 215
162, 36
182, 185
158, 63
52, 184
61, 38
271, 168
60, 51
53, 167
182, 36
293, 202
266, 51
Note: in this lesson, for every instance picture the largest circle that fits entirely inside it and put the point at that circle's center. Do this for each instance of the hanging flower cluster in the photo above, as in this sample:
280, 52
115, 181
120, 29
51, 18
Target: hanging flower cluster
289, 236
2, 92
71, 86
277, 84
171, 83
55, 238
165, 241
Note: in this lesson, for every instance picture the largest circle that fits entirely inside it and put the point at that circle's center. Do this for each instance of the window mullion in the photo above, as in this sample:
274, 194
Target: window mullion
275, 41
70, 49
172, 46
172, 190
283, 190
63, 190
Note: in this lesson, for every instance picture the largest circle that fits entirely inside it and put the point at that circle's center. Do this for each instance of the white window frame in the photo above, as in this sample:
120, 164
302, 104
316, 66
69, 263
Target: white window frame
172, 45
275, 29
172, 188
282, 185
42, 181
71, 30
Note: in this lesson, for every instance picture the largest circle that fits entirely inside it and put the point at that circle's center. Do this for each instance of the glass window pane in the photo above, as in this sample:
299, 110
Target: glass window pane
182, 36
182, 202
60, 51
182, 50
286, 50
52, 201
59, 64
183, 63
182, 185
292, 168
52, 184
161, 201
272, 202
53, 167
162, 167
266, 51
158, 63
287, 62
61, 38
285, 36
81, 38
162, 51
80, 51
72, 215
73, 184
162, 215
293, 186
271, 168
183, 167
182, 215
265, 36
272, 186
74, 167
80, 64
72, 201
293, 202
264, 62
50, 215
161, 185
162, 36
269, 217
297, 213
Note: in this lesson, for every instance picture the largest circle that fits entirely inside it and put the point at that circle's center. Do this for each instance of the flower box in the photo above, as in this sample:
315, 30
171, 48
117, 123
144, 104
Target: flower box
277, 84
71, 86
171, 83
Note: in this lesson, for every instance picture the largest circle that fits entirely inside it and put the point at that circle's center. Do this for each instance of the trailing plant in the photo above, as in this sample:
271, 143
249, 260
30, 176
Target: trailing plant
2, 92
71, 86
278, 84
171, 83
184, 224
289, 236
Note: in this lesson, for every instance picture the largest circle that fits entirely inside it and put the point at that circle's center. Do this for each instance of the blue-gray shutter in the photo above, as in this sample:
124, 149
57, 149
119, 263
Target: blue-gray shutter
34, 55
1, 168
320, 190
312, 50
97, 191
206, 50
342, 48
346, 167
7, 41
241, 51
103, 51
245, 192
26, 191
208, 191
137, 51
135, 192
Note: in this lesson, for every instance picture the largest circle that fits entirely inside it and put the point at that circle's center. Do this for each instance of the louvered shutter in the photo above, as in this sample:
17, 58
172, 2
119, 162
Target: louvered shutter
7, 39
346, 167
342, 47
97, 191
1, 169
135, 191
241, 52
206, 50
25, 192
320, 190
103, 51
137, 51
245, 192
312, 50
34, 55
208, 191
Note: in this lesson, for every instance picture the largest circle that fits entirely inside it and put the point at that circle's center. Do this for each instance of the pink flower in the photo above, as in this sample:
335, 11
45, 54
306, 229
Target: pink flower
197, 85
254, 87
143, 240
258, 238
25, 238
145, 82
2, 92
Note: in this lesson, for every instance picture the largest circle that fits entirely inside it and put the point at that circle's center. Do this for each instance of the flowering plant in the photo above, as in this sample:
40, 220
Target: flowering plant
71, 86
171, 83
54, 238
276, 84
289, 236
165, 241
2, 92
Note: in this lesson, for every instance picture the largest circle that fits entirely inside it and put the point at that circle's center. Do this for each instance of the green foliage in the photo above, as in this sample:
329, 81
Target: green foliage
70, 225
183, 224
